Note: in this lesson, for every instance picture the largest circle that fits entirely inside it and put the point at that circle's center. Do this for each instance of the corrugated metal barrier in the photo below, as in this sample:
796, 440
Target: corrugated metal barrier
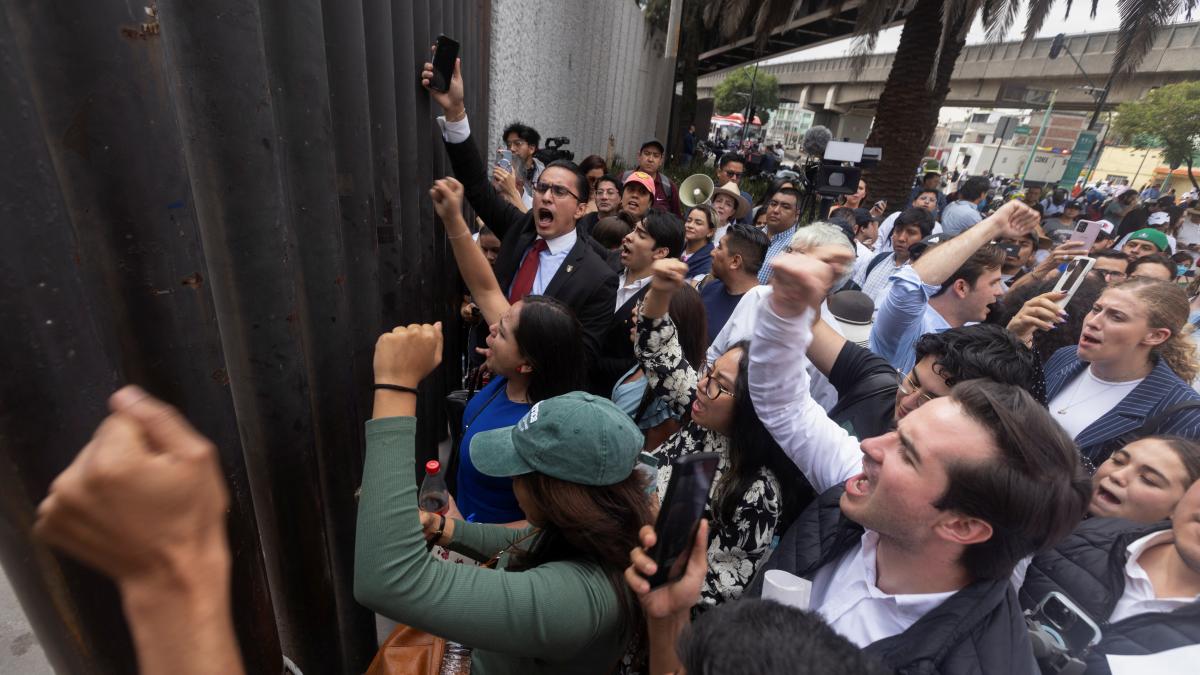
224, 201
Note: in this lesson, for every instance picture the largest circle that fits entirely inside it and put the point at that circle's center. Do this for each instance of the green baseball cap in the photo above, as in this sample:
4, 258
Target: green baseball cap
575, 437
1153, 236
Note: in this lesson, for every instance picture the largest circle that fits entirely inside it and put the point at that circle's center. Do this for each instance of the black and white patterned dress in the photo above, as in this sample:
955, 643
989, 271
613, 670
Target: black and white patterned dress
736, 548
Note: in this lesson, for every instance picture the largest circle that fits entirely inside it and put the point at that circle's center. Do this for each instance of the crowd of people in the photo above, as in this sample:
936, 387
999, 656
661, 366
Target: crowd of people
970, 469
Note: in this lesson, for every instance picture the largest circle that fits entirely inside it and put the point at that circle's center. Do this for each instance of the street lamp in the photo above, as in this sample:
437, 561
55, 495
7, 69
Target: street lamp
1059, 45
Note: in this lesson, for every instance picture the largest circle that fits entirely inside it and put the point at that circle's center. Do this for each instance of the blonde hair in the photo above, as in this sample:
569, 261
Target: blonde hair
1167, 307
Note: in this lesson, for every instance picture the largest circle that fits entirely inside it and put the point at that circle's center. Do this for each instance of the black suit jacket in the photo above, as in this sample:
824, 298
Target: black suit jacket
584, 282
616, 349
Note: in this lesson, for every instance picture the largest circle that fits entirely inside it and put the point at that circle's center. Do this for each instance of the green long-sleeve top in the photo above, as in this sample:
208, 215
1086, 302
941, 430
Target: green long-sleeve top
560, 617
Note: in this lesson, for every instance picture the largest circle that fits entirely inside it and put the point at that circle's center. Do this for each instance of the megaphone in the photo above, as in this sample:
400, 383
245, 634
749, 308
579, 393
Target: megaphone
696, 190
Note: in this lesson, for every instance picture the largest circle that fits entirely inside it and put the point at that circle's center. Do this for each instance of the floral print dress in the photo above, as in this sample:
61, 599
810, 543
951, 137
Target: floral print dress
736, 548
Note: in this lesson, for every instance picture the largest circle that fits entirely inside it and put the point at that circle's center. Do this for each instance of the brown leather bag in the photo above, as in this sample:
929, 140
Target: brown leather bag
408, 651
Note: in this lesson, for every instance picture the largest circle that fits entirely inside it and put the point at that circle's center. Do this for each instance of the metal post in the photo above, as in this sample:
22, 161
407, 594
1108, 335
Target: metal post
749, 104
1038, 140
999, 144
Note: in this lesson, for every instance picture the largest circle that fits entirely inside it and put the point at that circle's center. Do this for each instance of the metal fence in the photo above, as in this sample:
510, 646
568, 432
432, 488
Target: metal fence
225, 202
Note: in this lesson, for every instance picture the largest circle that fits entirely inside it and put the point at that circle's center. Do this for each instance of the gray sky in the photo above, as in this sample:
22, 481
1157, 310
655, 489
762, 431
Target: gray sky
1107, 18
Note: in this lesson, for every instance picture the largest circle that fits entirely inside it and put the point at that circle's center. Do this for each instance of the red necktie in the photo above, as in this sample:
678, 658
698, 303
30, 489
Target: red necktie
523, 282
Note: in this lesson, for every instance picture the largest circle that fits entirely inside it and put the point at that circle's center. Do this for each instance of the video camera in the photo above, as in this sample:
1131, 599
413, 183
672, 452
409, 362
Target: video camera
553, 150
833, 168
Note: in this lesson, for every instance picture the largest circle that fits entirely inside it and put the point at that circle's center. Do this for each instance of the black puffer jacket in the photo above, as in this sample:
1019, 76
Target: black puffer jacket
979, 630
1089, 568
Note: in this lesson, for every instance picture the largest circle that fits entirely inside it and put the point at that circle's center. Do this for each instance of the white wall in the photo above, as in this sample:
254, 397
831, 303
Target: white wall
1047, 167
583, 70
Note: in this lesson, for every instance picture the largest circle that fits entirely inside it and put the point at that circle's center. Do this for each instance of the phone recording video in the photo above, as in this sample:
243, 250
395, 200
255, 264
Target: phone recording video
679, 517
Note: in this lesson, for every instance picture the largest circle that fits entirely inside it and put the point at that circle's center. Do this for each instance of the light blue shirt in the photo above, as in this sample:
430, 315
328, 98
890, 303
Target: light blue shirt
904, 316
960, 216
549, 261
779, 244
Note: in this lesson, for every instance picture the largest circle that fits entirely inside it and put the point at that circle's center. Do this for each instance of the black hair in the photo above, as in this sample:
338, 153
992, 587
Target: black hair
1032, 493
709, 215
774, 187
791, 192
988, 257
551, 340
983, 351
915, 215
485, 231
581, 182
974, 188
523, 132
843, 214
608, 178
751, 449
1046, 342
609, 231
686, 310
1110, 253
1153, 259
666, 229
768, 638
731, 157
930, 174
749, 242
934, 191
593, 162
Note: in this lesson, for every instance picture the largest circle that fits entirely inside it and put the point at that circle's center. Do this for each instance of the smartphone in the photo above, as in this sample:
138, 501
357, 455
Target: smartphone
1073, 277
1011, 250
682, 508
444, 55
506, 160
1086, 231
1071, 626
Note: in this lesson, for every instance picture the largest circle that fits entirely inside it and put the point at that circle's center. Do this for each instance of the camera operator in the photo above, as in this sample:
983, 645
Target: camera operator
1139, 583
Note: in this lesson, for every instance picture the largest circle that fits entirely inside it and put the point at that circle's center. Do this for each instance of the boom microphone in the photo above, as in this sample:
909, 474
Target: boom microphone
815, 140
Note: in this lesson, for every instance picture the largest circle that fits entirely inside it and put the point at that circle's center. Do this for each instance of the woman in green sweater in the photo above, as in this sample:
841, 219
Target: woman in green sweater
572, 458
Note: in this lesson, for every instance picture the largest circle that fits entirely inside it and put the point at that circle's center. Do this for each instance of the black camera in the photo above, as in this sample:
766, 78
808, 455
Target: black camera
554, 150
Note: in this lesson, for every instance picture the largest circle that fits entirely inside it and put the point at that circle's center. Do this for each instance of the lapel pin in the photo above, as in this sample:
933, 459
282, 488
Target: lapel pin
570, 268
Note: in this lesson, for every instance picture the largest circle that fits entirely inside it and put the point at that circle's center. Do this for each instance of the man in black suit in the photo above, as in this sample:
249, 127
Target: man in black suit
540, 251
658, 235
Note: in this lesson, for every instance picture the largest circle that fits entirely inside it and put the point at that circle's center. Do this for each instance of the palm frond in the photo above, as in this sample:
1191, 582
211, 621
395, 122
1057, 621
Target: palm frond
1036, 16
732, 14
1141, 21
956, 23
872, 17
1001, 19
1095, 6
770, 14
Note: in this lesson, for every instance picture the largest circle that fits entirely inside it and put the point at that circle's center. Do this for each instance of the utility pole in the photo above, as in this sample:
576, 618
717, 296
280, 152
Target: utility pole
750, 103
1038, 140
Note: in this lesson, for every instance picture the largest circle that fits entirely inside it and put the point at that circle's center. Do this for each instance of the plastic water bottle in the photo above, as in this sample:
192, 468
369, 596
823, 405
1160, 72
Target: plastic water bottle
433, 496
456, 660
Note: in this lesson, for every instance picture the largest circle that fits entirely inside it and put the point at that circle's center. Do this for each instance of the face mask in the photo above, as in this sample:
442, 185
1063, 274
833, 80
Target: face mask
1181, 269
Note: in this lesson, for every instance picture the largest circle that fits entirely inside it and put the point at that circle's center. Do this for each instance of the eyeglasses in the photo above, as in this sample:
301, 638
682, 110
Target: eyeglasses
712, 388
732, 174
556, 190
1109, 275
782, 206
909, 385
516, 143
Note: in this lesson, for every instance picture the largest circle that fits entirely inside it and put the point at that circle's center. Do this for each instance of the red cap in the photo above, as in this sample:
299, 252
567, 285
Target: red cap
432, 466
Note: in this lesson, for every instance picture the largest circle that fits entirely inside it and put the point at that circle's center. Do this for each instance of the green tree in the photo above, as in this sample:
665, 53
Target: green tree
734, 92
1167, 117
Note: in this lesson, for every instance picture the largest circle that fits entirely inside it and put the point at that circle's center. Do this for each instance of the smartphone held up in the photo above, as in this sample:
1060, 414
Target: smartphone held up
680, 514
445, 54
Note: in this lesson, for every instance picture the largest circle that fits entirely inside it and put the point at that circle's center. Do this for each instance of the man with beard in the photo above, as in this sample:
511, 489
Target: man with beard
540, 251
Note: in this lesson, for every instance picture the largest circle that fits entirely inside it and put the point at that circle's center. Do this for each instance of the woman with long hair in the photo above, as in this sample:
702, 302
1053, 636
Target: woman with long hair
1130, 370
699, 225
572, 462
534, 352
758, 491
1144, 480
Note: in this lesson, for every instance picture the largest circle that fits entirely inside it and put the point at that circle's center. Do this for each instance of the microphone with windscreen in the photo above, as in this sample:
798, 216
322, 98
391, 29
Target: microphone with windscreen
816, 139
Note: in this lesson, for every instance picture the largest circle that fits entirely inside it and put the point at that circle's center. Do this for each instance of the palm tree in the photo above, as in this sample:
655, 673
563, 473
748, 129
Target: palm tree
917, 85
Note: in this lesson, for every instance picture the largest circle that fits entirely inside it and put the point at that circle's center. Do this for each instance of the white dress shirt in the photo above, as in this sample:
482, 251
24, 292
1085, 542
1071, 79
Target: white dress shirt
625, 291
1139, 596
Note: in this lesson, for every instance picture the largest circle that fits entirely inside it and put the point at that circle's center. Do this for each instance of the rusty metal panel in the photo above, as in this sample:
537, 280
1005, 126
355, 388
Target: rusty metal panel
225, 202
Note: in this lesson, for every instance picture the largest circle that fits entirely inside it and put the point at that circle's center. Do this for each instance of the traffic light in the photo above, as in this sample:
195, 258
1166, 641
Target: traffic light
1056, 46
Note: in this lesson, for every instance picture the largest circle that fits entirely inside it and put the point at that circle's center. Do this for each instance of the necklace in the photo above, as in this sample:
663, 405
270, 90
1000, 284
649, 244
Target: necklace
1071, 403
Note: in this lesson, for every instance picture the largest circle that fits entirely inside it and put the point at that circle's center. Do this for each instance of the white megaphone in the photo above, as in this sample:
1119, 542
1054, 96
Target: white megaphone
696, 190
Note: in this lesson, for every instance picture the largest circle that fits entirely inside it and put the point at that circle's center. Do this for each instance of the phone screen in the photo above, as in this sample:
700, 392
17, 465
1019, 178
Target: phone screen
682, 508
444, 56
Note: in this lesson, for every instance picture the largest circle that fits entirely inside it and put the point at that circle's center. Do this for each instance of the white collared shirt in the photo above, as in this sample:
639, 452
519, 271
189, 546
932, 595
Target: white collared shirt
550, 260
1139, 596
845, 595
625, 291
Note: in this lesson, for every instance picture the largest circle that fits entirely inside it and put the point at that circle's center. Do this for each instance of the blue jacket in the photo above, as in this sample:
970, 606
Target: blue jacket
1161, 389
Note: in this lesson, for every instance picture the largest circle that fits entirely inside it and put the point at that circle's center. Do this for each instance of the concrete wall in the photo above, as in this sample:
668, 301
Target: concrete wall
581, 70
1046, 168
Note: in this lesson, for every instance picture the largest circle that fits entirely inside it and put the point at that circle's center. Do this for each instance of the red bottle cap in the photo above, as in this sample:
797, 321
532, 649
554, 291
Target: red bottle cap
432, 466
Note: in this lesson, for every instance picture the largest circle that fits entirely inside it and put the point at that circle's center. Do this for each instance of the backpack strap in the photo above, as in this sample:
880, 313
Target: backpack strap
879, 257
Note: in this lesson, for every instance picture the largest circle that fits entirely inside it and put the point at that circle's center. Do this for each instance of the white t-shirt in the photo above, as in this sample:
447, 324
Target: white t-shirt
1189, 232
1085, 399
